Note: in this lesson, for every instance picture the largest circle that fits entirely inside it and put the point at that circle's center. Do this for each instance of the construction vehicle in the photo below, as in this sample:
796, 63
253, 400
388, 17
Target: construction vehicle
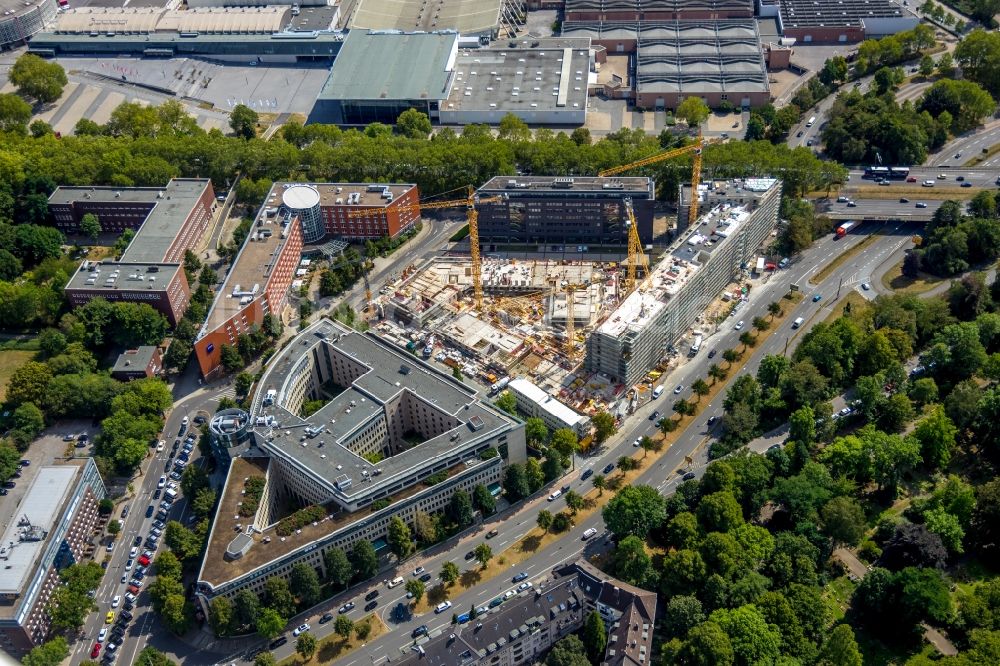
636, 257
472, 217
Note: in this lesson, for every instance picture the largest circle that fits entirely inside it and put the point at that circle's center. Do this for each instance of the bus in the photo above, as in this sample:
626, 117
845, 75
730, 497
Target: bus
877, 172
899, 173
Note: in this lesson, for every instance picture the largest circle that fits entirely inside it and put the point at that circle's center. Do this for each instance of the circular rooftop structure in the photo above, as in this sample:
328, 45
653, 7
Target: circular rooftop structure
230, 426
299, 197
303, 201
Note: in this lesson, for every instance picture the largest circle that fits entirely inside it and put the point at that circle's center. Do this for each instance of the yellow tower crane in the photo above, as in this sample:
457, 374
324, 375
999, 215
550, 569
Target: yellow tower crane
636, 257
472, 217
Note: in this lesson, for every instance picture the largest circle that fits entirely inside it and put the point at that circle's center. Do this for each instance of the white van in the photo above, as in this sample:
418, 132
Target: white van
798, 322
398, 580
657, 391
589, 533
442, 607
555, 495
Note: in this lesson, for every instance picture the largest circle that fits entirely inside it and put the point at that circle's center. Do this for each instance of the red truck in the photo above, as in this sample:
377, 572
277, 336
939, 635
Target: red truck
844, 228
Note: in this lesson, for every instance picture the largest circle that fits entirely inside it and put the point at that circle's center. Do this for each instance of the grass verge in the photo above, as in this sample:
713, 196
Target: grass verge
334, 647
11, 360
506, 561
903, 284
837, 597
982, 157
844, 256
852, 299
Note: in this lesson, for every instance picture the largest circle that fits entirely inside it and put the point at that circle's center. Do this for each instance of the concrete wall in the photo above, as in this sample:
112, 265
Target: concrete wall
650, 100
826, 35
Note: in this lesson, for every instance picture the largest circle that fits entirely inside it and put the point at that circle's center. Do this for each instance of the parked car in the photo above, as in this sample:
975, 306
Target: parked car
519, 577
302, 628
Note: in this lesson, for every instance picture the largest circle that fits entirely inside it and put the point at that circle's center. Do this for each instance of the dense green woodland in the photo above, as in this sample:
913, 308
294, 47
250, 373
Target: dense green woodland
743, 559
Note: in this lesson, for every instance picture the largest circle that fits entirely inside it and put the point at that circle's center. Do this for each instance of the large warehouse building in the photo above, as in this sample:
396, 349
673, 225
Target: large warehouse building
380, 74
635, 337
468, 17
656, 10
716, 60
382, 405
582, 210
168, 221
838, 21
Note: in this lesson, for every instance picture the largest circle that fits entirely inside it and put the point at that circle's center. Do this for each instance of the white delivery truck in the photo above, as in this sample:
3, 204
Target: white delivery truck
696, 345
657, 392
798, 322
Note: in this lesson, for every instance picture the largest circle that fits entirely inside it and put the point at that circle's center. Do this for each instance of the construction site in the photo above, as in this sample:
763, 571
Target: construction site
576, 333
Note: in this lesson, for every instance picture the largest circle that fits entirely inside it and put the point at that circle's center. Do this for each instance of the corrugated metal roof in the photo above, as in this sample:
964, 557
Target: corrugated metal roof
392, 65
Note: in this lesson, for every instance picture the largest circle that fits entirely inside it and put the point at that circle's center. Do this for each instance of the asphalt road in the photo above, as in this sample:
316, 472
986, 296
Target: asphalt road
137, 524
962, 149
978, 176
884, 209
663, 474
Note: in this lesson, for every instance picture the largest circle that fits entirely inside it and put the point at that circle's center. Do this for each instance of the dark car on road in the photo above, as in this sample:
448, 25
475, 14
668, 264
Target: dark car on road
711, 354
346, 608
609, 468
688, 476
419, 631
326, 618
371, 595
425, 577
370, 605
278, 642
469, 555
587, 473
149, 511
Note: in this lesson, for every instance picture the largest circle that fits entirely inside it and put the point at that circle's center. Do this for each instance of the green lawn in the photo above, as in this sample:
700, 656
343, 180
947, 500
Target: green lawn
11, 360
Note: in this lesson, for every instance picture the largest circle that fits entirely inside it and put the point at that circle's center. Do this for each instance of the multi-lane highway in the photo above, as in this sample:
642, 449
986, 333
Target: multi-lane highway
962, 149
884, 209
888, 246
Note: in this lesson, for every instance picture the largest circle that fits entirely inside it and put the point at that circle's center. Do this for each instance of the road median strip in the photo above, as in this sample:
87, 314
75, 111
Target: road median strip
840, 259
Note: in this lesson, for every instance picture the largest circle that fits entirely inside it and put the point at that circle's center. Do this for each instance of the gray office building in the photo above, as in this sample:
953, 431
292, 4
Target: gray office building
635, 336
580, 210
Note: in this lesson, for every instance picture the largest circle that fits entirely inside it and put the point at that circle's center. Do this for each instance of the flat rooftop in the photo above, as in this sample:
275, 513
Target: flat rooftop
249, 274
472, 332
366, 195
522, 76
169, 207
25, 537
547, 402
390, 373
390, 65
123, 276
510, 184
465, 16
143, 20
820, 13
158, 232
131, 360
530, 611
660, 6
315, 18
687, 256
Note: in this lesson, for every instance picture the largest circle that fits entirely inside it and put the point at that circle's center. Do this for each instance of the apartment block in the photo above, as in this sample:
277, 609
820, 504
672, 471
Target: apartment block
535, 402
637, 334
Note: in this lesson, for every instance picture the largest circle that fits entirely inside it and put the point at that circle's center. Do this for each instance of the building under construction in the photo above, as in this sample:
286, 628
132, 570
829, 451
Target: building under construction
638, 333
